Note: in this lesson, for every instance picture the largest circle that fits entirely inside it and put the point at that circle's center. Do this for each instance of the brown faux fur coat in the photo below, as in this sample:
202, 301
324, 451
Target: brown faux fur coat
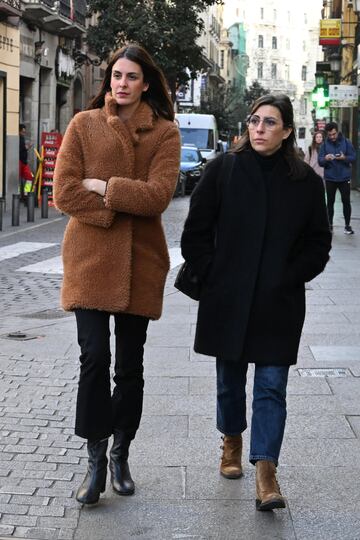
114, 250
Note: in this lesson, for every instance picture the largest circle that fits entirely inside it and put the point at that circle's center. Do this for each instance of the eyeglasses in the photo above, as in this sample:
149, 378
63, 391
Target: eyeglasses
254, 120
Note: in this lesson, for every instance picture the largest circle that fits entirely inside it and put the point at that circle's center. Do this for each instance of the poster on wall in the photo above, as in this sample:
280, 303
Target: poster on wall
343, 95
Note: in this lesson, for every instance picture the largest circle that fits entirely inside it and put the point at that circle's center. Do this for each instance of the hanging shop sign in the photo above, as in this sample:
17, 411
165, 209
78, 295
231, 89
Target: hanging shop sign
50, 143
330, 32
343, 95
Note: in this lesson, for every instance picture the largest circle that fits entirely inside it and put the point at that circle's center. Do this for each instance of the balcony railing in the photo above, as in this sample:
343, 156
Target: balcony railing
57, 16
10, 7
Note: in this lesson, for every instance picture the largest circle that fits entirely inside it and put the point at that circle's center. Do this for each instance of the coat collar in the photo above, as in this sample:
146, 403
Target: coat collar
142, 119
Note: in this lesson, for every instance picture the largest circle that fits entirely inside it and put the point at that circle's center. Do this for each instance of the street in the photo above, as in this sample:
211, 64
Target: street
175, 457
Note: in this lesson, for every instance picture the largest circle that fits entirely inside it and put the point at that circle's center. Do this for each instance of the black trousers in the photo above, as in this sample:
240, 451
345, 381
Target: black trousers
344, 188
98, 411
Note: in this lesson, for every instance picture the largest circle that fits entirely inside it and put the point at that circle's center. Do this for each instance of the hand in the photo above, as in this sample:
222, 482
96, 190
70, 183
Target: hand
341, 156
95, 185
329, 157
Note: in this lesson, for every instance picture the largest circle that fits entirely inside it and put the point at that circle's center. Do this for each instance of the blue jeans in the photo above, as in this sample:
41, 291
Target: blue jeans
269, 406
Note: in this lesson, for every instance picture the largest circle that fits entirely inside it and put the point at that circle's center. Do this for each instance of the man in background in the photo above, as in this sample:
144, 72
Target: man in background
336, 156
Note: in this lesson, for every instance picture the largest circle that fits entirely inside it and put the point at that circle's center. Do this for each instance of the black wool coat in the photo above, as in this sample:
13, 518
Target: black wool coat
253, 249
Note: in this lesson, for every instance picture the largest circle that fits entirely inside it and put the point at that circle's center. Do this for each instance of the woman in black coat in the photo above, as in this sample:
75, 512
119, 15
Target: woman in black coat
257, 230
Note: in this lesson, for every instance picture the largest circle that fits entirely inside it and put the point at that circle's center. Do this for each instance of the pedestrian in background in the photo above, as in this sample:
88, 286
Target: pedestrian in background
115, 174
312, 154
336, 156
257, 230
25, 174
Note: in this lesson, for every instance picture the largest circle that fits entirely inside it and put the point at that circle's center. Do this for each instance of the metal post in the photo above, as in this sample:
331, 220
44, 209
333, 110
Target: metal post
15, 210
44, 203
1, 213
30, 206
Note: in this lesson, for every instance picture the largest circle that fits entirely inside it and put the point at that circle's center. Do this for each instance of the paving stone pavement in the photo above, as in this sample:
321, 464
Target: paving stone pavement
175, 457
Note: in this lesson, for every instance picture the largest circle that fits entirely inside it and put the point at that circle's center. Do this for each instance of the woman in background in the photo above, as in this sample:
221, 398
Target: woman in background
311, 156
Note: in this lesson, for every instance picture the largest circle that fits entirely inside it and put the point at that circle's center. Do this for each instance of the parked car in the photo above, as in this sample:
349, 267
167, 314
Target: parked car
191, 165
200, 130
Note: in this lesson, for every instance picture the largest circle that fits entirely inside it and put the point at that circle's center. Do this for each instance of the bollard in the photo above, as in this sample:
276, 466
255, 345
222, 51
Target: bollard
30, 206
15, 210
1, 213
44, 203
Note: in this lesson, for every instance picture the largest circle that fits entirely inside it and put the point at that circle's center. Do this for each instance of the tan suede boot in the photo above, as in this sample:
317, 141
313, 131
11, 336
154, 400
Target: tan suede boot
230, 466
268, 494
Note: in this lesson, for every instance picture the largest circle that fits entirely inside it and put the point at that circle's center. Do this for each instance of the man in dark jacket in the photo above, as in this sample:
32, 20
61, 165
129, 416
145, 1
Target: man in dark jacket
336, 155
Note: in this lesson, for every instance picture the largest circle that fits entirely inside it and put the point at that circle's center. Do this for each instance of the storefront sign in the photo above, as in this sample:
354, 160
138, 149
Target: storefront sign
343, 95
330, 32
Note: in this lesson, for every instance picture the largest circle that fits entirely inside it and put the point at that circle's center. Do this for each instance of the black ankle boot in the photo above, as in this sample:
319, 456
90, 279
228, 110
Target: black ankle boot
95, 478
121, 479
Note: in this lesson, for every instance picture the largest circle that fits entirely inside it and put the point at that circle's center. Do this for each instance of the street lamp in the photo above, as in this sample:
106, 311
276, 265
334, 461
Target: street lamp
335, 61
356, 6
82, 58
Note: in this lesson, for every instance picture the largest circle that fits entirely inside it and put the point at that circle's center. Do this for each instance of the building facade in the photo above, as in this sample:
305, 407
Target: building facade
282, 44
10, 12
51, 83
206, 84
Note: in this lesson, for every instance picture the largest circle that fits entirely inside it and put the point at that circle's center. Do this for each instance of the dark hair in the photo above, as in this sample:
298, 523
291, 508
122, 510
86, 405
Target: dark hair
330, 126
22, 126
289, 147
157, 95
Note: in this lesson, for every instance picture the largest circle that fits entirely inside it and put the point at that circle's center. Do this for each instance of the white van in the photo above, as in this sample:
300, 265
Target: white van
200, 130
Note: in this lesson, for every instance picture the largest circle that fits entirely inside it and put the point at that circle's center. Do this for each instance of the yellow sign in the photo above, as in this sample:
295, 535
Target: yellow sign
330, 32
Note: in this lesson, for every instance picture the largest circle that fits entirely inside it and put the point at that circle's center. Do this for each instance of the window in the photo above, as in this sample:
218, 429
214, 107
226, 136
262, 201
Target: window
303, 106
305, 18
222, 54
260, 70
302, 132
289, 16
288, 43
261, 13
275, 14
273, 71
274, 42
287, 72
303, 73
261, 42
304, 45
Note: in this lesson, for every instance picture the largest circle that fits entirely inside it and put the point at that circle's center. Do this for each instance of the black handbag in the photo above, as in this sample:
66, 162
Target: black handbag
187, 282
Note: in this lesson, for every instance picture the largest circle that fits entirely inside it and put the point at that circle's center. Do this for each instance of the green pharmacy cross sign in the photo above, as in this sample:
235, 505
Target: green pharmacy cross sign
320, 97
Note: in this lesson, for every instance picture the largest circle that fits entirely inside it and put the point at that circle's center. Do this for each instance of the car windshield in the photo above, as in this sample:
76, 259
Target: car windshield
189, 155
202, 138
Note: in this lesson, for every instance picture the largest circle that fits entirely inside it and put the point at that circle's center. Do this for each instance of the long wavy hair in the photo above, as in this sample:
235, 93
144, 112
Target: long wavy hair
314, 145
284, 106
157, 95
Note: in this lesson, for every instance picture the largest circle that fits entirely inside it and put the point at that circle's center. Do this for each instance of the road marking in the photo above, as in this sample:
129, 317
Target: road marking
49, 266
54, 265
175, 257
14, 250
26, 229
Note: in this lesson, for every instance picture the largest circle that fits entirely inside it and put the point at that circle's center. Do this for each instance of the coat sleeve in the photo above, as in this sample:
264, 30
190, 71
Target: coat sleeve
198, 237
70, 196
310, 260
150, 197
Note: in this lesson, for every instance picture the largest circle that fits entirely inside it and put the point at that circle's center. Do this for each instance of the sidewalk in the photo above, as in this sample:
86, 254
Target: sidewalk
175, 457
8, 228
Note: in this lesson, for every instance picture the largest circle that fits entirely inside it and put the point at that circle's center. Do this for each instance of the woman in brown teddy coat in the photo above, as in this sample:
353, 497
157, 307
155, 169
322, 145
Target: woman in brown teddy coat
115, 174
